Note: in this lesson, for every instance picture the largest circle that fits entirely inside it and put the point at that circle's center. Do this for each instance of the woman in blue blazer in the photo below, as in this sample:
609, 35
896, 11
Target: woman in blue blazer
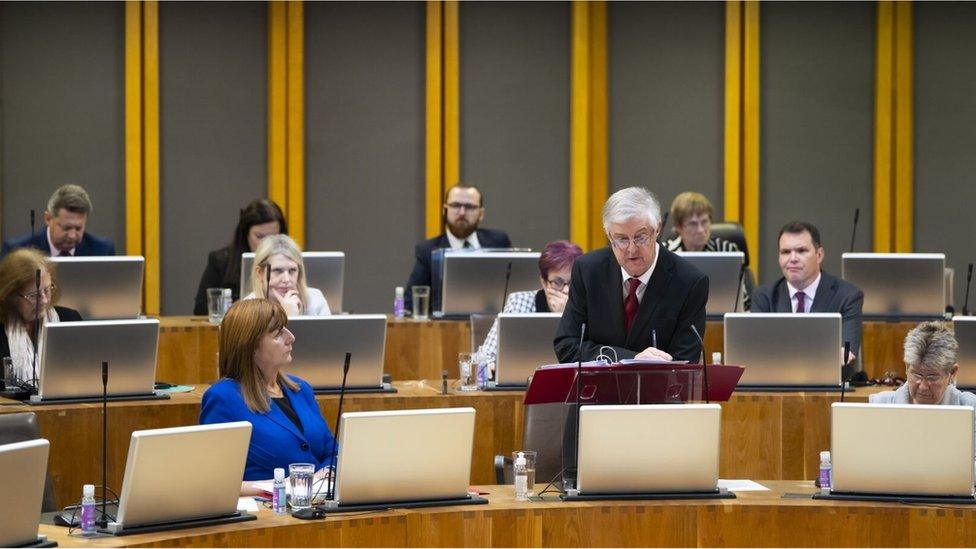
288, 427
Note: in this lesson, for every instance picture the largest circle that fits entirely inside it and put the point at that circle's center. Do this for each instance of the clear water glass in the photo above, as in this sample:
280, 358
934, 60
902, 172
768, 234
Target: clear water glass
301, 476
216, 307
421, 302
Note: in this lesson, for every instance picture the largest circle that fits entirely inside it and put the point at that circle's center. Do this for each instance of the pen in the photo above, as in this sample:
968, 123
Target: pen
653, 338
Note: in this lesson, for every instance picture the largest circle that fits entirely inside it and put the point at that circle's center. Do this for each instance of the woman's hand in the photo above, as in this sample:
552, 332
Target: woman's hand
291, 302
557, 299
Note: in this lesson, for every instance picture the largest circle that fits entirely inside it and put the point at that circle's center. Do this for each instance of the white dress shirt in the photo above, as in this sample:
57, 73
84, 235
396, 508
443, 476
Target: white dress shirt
810, 292
644, 278
457, 243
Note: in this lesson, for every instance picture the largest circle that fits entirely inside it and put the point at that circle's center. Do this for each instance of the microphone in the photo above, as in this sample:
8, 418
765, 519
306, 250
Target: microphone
704, 368
579, 375
969, 281
843, 366
32, 224
738, 290
103, 522
267, 281
664, 223
857, 213
508, 276
37, 326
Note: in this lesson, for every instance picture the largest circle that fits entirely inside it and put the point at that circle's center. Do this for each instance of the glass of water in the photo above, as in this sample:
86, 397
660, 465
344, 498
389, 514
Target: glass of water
421, 302
301, 476
466, 367
215, 305
9, 373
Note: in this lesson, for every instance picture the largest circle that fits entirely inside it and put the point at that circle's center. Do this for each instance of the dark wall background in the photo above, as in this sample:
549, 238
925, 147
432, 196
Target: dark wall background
61, 111
515, 84
666, 93
213, 83
945, 131
364, 107
816, 125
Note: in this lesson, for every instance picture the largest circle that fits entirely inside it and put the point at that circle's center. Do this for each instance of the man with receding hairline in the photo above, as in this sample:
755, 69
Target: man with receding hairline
66, 217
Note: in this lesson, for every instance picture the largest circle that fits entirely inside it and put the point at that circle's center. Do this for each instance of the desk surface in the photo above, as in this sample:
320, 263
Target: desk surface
753, 519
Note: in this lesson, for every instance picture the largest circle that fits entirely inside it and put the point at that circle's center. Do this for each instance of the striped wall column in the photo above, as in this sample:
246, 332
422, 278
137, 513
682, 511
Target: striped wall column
443, 124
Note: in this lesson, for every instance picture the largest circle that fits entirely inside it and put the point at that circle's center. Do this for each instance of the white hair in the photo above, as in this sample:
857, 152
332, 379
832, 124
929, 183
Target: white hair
933, 345
630, 203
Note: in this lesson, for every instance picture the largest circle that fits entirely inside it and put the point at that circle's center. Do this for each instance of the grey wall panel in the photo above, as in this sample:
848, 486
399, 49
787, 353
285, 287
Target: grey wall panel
515, 84
364, 107
61, 110
666, 93
945, 130
816, 125
213, 133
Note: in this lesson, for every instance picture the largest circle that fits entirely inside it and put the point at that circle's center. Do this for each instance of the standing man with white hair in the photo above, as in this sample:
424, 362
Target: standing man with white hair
634, 296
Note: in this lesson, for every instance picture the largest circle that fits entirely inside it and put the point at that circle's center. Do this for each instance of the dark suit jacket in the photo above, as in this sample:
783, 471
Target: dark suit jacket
64, 315
421, 275
89, 245
673, 301
833, 296
213, 277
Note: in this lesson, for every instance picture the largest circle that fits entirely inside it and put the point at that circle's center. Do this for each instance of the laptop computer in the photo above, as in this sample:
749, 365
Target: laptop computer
723, 270
782, 351
898, 285
101, 288
71, 355
323, 270
633, 449
524, 344
901, 449
321, 344
23, 468
189, 476
965, 328
473, 281
431, 463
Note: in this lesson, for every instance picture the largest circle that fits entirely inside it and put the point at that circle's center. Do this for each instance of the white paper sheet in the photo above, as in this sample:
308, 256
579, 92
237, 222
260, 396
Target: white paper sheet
741, 485
247, 504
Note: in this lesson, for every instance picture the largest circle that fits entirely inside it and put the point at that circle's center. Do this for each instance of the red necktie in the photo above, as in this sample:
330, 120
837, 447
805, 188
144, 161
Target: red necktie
800, 297
631, 304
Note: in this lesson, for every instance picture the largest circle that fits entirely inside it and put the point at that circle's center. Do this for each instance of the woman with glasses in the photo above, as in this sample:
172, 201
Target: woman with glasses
691, 215
22, 303
555, 268
279, 274
930, 360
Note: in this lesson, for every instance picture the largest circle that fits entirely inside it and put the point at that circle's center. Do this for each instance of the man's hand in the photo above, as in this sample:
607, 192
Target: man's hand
653, 354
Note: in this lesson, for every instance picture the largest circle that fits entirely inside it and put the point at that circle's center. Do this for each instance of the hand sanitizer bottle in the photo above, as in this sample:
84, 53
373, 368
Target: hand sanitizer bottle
521, 478
88, 510
279, 501
825, 473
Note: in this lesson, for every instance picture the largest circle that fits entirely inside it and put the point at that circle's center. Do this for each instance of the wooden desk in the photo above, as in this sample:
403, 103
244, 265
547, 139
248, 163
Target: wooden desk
764, 435
753, 519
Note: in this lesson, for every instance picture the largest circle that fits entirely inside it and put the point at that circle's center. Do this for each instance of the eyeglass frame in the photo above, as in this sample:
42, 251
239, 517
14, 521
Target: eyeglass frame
462, 206
929, 379
561, 283
32, 296
624, 243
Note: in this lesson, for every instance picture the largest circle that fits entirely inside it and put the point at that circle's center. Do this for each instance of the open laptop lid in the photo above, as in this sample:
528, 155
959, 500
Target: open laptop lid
406, 455
524, 344
722, 270
965, 328
473, 281
785, 349
71, 356
183, 473
321, 344
323, 270
908, 449
101, 288
898, 284
23, 468
649, 448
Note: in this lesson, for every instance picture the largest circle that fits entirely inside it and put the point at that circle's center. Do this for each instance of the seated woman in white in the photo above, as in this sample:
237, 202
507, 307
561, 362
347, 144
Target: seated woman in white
279, 255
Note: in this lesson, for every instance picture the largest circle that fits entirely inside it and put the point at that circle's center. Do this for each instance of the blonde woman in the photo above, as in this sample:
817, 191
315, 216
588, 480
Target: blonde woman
279, 255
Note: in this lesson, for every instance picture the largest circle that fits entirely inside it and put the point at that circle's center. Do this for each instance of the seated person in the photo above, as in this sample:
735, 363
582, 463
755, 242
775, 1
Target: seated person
634, 293
255, 347
462, 211
66, 217
806, 288
280, 255
21, 305
930, 362
691, 215
259, 219
555, 269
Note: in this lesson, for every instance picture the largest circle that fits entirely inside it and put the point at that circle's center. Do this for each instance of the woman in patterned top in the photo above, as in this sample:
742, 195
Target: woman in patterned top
691, 215
555, 268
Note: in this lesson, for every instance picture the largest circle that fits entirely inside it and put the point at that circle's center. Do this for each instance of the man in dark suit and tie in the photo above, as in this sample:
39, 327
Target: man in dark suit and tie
66, 216
635, 296
463, 210
806, 288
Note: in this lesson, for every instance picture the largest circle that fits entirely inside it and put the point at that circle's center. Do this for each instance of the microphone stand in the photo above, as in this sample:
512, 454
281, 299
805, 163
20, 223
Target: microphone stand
857, 213
704, 367
267, 281
738, 289
508, 275
103, 522
969, 281
843, 365
37, 328
576, 438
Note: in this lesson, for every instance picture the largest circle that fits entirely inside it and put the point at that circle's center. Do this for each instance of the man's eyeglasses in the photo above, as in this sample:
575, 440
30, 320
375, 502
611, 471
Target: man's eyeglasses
932, 378
458, 206
32, 296
623, 242
557, 283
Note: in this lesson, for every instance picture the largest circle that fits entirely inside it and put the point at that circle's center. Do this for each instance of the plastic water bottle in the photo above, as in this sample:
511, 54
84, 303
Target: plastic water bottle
825, 473
88, 510
279, 501
521, 478
228, 299
398, 311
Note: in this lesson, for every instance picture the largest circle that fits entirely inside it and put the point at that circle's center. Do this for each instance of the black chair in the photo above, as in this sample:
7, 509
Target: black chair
23, 427
733, 233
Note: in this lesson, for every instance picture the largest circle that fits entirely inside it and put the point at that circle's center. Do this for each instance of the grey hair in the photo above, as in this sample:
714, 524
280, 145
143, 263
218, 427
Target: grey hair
931, 344
626, 204
73, 198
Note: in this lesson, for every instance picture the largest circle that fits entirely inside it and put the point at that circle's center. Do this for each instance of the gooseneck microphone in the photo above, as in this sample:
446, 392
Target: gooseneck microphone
103, 522
267, 281
843, 366
704, 367
508, 276
857, 213
579, 376
32, 224
37, 327
969, 281
664, 223
738, 288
